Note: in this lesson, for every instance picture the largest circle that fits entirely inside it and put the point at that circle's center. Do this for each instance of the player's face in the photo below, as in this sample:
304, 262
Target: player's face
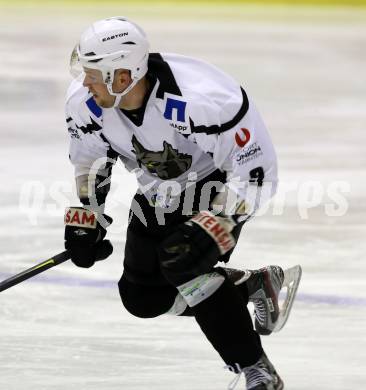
94, 82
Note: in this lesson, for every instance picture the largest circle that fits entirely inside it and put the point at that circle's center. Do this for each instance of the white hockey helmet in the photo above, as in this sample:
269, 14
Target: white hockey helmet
111, 44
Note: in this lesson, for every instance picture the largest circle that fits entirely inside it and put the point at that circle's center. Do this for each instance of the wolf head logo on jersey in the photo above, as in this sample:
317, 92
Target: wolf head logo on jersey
166, 164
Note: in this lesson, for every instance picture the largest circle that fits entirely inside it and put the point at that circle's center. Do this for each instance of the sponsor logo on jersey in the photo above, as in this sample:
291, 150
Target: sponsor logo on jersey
242, 137
74, 133
248, 154
180, 128
166, 164
73, 128
175, 111
176, 106
115, 36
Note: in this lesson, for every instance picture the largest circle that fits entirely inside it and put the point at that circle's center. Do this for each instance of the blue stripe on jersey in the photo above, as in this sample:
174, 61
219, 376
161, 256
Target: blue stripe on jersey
93, 107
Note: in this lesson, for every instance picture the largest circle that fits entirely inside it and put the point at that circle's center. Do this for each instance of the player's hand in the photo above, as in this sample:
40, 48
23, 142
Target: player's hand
84, 236
197, 245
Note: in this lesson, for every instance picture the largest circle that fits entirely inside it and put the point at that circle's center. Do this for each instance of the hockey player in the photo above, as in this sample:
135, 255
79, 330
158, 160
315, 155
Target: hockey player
203, 159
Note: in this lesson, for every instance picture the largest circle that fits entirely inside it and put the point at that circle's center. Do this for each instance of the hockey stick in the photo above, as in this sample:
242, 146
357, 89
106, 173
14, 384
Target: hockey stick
37, 269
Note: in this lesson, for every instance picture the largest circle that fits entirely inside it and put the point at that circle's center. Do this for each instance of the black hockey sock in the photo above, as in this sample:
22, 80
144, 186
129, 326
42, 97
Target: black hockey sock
225, 320
241, 288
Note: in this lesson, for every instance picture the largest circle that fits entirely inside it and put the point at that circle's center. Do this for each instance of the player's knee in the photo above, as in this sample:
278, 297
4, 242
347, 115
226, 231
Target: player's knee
144, 301
131, 300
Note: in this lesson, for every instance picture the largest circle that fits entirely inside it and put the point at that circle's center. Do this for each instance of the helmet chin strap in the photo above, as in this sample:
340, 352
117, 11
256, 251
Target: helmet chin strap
118, 96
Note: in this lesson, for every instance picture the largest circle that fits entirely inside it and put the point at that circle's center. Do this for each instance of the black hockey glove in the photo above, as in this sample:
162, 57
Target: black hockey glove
84, 237
198, 244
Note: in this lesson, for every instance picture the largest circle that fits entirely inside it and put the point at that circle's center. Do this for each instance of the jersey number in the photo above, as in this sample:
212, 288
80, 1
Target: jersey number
256, 176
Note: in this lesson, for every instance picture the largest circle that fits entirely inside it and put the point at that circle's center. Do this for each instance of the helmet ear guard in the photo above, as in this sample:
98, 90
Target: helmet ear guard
108, 45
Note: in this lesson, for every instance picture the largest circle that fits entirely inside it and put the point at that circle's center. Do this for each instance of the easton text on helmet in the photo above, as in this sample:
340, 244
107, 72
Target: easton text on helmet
115, 36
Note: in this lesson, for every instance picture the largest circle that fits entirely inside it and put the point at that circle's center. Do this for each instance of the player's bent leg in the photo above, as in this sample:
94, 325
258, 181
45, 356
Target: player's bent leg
219, 308
221, 313
145, 301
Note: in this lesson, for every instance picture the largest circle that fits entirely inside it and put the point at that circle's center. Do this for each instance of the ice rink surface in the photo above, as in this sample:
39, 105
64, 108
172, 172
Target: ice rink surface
66, 329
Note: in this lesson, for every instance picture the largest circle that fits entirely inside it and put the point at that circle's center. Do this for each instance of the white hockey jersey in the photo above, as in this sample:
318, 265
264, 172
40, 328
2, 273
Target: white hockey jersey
197, 119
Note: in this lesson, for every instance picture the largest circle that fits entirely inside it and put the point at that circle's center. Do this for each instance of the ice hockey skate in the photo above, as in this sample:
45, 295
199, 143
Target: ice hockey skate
260, 376
264, 286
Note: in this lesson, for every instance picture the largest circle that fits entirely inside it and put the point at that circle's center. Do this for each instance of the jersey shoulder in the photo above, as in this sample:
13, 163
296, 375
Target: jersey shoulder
83, 115
215, 101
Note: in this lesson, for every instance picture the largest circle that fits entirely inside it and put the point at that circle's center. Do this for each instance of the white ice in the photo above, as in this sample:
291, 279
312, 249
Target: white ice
305, 69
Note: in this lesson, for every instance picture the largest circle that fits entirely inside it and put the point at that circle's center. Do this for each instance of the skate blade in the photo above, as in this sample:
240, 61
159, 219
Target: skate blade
292, 277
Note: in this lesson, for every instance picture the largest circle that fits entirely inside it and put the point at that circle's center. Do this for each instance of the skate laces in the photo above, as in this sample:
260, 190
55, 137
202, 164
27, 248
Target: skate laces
260, 311
238, 371
256, 374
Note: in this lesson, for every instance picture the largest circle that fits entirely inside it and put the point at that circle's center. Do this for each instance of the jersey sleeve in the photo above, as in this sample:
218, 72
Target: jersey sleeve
89, 153
241, 146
